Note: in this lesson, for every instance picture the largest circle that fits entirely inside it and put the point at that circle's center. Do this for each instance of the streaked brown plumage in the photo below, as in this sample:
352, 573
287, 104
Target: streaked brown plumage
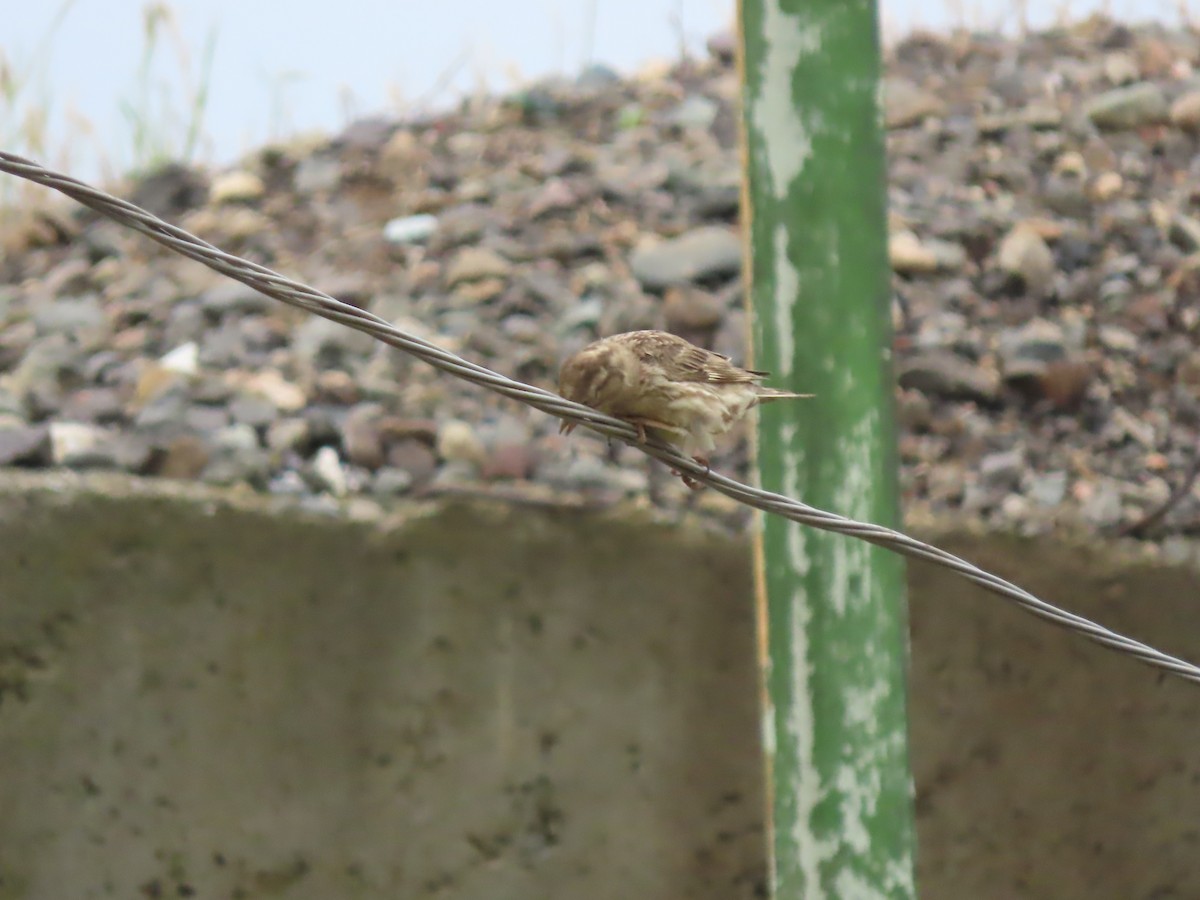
665, 386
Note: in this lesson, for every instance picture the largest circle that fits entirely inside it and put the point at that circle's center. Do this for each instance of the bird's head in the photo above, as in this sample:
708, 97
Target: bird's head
596, 376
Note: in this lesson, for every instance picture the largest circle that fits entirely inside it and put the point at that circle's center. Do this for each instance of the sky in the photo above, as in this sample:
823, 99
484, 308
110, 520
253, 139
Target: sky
322, 64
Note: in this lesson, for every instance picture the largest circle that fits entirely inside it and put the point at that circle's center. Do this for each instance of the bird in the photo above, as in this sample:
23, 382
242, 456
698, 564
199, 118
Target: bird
667, 387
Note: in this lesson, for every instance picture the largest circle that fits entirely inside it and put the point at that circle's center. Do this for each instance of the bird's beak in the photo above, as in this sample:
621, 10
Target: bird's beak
565, 427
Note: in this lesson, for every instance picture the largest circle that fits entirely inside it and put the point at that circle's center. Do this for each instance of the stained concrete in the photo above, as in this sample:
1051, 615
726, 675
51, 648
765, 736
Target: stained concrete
219, 696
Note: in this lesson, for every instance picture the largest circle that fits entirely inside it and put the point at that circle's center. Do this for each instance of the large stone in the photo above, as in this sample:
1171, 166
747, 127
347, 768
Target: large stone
1025, 255
1128, 107
906, 103
704, 253
941, 373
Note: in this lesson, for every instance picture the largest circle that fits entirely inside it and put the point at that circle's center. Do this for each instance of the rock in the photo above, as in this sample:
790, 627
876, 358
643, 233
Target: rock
253, 410
238, 438
410, 229
94, 406
236, 187
291, 483
905, 103
1047, 488
596, 76
941, 329
457, 441
1184, 232
166, 413
554, 196
508, 460
722, 46
1118, 339
324, 344
1039, 340
1121, 68
362, 439
369, 133
1024, 255
329, 472
1067, 196
1064, 382
396, 428
1015, 508
234, 298
73, 443
583, 314
335, 386
691, 309
1185, 111
170, 190
318, 173
909, 256
696, 111
391, 482
949, 376
414, 457
623, 180
1128, 107
1003, 470
1102, 505
22, 444
229, 224
186, 323
476, 264
70, 316
236, 457
702, 254
128, 452
183, 360
277, 390
290, 434
184, 458
1107, 186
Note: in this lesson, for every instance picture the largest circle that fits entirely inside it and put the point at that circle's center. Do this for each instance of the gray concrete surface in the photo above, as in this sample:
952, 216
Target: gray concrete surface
218, 697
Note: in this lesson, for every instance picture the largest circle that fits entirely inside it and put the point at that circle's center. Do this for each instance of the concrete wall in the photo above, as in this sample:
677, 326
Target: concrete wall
217, 698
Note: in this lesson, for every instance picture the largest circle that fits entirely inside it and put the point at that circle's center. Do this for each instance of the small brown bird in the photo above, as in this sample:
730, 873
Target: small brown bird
660, 383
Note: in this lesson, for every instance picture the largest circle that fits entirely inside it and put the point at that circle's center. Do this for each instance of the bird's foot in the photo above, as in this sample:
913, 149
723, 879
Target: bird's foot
689, 480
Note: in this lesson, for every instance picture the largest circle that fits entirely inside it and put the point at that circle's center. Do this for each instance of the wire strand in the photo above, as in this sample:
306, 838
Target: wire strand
300, 295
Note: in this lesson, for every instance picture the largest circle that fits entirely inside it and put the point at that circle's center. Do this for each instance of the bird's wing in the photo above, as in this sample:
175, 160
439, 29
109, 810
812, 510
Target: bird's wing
680, 360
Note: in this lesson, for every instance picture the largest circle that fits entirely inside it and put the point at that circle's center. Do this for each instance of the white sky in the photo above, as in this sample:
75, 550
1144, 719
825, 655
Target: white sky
322, 64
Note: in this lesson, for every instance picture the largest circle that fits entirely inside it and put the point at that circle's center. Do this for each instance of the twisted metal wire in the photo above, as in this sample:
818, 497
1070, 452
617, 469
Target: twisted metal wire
294, 293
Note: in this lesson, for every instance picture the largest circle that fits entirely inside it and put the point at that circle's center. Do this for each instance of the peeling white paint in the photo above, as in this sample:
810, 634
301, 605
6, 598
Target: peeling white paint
854, 492
785, 133
800, 723
787, 293
858, 784
852, 886
862, 706
899, 880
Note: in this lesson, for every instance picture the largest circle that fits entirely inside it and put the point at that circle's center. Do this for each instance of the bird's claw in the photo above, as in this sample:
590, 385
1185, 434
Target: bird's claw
689, 480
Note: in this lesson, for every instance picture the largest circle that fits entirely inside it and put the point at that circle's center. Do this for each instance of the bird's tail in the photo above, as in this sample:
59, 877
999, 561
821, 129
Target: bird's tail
766, 394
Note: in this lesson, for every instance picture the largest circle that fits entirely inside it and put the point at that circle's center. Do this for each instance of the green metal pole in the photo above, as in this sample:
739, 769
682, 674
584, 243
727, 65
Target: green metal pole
831, 609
